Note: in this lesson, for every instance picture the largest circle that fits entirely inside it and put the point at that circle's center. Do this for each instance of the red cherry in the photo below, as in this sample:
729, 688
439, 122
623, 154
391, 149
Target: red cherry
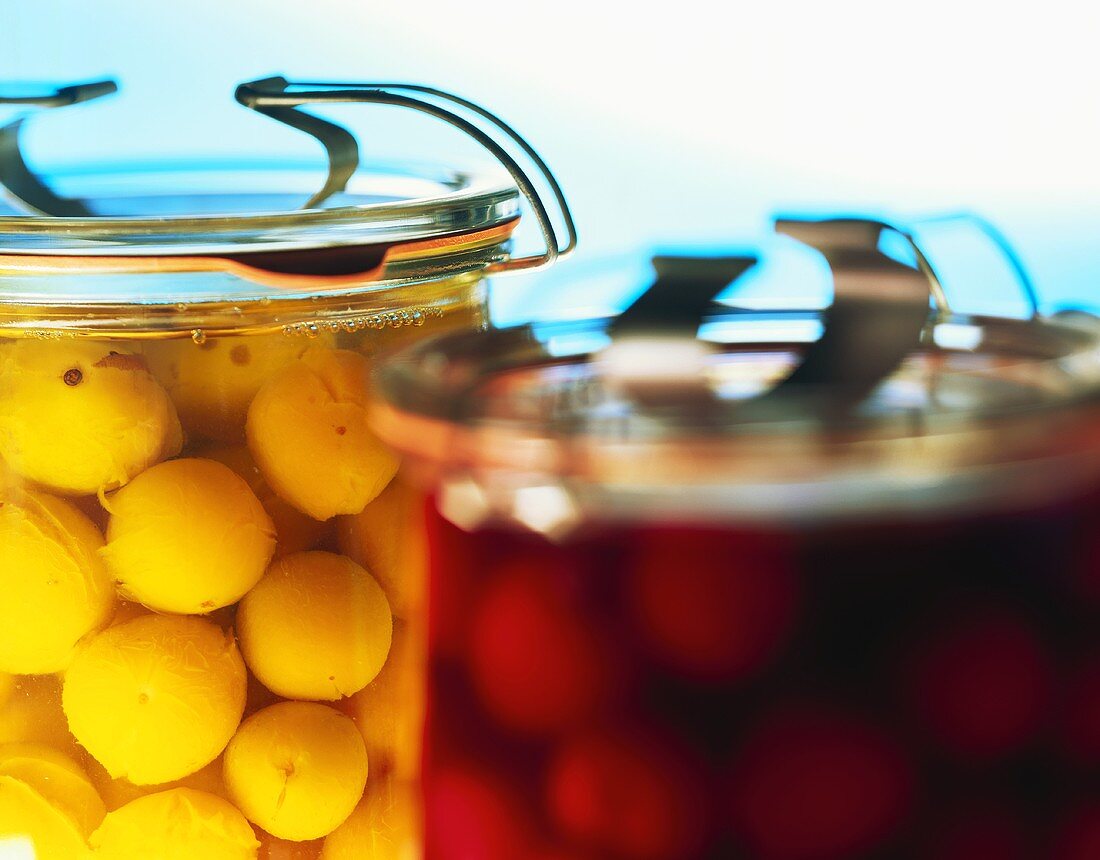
818, 785
982, 687
537, 664
1080, 724
1078, 837
470, 815
712, 607
626, 797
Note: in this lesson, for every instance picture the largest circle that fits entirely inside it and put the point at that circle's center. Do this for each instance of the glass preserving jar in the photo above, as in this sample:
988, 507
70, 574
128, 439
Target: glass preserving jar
712, 581
211, 625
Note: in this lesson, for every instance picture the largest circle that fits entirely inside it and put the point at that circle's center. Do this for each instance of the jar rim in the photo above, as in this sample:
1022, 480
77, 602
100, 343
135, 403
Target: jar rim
384, 203
395, 225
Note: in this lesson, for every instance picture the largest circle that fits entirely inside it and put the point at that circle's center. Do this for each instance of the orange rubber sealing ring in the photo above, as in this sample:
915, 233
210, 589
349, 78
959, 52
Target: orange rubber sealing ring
317, 267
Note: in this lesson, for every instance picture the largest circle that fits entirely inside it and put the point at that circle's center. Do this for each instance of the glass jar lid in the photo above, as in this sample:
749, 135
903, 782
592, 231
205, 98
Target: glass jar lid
276, 226
884, 402
236, 209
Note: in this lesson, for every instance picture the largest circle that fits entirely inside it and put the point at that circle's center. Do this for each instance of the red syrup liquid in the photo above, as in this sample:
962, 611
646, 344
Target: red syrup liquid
864, 690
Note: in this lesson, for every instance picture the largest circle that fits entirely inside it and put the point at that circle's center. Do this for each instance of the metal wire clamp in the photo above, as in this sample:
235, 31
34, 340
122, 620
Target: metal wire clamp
281, 100
22, 183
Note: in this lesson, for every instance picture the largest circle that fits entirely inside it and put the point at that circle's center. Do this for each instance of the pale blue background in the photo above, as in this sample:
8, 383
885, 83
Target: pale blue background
672, 125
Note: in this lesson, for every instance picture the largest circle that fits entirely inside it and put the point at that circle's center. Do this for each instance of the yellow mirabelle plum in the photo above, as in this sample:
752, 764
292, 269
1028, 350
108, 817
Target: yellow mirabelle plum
55, 586
307, 430
187, 536
317, 626
78, 417
296, 769
155, 698
177, 824
58, 779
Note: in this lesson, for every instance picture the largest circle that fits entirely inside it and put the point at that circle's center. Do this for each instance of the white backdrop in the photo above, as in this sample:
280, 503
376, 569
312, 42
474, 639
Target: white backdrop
670, 124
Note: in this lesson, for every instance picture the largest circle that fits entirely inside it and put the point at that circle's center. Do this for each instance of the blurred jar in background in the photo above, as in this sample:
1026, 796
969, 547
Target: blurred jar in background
711, 582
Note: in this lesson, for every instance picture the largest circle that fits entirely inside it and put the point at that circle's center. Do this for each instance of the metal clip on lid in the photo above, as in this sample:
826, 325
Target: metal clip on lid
879, 311
999, 241
654, 358
281, 99
879, 315
685, 289
19, 180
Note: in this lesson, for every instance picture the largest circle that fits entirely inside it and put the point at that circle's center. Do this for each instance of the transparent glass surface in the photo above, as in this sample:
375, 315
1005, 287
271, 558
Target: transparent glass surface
211, 640
191, 207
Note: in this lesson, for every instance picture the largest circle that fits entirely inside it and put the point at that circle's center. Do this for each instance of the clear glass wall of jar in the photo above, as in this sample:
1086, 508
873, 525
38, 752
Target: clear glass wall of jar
212, 613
